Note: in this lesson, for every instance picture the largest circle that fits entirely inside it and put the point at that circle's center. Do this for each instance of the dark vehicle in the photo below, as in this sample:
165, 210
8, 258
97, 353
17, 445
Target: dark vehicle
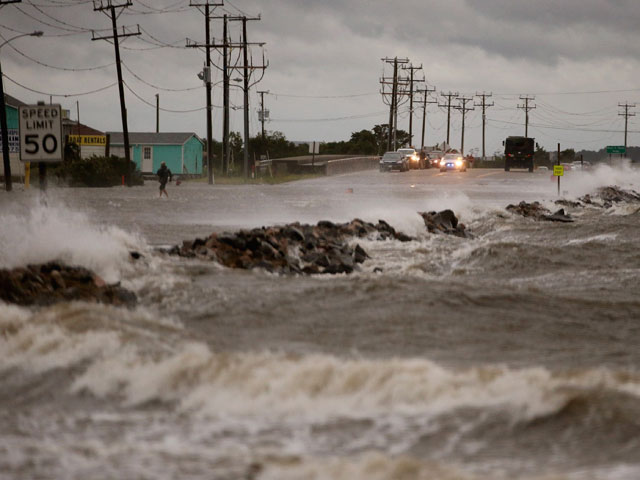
434, 158
394, 161
413, 158
518, 153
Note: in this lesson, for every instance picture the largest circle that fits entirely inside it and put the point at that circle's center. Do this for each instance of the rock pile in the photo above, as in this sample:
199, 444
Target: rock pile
444, 222
611, 195
291, 249
538, 212
53, 282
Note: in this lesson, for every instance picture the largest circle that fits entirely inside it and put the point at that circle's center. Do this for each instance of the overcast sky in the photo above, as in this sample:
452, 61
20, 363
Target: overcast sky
578, 58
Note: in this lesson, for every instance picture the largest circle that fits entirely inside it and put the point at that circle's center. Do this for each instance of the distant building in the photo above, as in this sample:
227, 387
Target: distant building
91, 141
182, 152
11, 111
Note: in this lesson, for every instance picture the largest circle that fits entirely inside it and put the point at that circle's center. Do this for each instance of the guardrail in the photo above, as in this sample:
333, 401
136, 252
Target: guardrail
354, 164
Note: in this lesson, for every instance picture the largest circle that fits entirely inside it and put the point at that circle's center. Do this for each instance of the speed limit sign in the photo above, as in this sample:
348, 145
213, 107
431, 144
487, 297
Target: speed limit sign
40, 133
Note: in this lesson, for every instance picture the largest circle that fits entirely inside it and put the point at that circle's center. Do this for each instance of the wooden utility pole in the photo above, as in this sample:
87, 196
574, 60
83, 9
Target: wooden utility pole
464, 109
411, 69
484, 106
157, 113
425, 101
449, 96
393, 103
207, 79
626, 114
526, 107
108, 6
262, 110
245, 69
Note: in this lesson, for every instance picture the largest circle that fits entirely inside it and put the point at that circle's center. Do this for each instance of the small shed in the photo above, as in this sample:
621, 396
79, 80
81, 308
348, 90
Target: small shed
182, 152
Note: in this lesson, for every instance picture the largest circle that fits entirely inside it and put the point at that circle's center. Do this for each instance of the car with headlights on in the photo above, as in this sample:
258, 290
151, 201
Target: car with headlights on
413, 157
394, 161
453, 161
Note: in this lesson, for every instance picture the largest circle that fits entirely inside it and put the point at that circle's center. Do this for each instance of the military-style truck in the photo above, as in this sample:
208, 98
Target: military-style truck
518, 153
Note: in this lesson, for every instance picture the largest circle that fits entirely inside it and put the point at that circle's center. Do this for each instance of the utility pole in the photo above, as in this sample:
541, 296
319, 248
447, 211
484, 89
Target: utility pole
464, 109
245, 68
526, 109
626, 114
412, 69
157, 113
484, 106
108, 5
425, 99
207, 79
262, 110
449, 96
393, 104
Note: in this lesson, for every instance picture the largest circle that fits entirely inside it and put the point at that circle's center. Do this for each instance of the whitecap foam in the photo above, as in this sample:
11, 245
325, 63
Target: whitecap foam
588, 181
41, 233
603, 238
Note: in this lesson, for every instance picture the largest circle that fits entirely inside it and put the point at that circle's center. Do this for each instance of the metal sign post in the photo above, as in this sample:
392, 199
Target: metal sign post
41, 136
558, 170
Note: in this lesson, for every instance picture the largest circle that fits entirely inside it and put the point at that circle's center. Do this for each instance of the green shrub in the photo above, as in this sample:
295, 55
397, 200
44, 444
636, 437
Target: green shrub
96, 172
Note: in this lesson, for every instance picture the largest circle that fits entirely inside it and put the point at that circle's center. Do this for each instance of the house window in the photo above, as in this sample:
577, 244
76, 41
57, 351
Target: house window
147, 153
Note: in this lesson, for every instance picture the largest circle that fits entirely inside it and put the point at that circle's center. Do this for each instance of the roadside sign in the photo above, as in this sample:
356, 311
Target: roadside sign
314, 147
88, 140
558, 170
14, 140
40, 133
616, 149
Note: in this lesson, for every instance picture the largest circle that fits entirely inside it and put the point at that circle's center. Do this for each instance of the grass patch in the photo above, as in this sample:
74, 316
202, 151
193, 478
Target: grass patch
263, 180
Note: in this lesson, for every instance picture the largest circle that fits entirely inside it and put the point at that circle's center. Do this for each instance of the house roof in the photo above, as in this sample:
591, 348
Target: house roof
12, 101
75, 128
152, 138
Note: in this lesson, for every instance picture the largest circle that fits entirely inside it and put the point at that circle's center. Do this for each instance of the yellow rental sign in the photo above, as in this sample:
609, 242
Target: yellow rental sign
558, 170
88, 140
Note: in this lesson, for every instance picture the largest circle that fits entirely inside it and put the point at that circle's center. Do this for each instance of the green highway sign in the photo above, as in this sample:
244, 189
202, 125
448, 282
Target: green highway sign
612, 149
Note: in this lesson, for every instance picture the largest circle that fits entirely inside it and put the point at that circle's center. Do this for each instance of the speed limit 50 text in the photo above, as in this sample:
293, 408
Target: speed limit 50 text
40, 133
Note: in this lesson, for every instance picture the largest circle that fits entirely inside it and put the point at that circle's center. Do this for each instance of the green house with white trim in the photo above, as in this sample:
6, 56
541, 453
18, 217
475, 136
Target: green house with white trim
182, 152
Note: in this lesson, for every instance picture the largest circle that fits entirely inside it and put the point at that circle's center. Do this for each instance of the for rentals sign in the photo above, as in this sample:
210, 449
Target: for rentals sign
88, 140
40, 133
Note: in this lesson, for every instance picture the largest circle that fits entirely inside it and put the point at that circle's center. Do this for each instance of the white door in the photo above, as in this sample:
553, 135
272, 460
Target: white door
147, 159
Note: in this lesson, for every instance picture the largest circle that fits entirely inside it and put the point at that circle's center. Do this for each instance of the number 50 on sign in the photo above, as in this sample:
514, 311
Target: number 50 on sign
40, 133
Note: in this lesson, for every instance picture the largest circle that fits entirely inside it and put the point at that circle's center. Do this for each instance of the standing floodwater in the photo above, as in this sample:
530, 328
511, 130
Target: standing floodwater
509, 355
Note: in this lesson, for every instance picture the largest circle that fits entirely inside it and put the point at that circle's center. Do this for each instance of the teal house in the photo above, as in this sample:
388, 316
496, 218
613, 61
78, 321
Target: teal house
11, 111
182, 152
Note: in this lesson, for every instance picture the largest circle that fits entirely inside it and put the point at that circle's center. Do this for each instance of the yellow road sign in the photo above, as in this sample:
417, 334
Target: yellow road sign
558, 170
88, 139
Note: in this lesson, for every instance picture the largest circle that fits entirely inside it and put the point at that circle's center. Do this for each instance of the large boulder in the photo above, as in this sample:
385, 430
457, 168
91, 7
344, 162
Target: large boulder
293, 248
444, 222
53, 282
536, 211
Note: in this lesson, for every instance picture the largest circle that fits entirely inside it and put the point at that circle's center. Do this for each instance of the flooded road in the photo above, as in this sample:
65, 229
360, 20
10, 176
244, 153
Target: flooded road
509, 355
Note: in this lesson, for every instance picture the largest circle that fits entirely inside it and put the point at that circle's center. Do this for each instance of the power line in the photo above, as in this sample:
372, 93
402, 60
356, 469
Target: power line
155, 86
67, 69
65, 95
351, 117
353, 95
164, 109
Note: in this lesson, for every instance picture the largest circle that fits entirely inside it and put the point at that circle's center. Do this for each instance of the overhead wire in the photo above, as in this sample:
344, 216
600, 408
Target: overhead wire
65, 95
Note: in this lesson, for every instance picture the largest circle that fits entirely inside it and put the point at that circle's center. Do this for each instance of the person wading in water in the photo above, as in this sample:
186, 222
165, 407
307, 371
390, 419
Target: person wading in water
164, 175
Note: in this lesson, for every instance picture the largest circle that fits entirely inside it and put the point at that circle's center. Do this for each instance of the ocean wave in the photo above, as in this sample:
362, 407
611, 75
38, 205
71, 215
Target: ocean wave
140, 361
37, 233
